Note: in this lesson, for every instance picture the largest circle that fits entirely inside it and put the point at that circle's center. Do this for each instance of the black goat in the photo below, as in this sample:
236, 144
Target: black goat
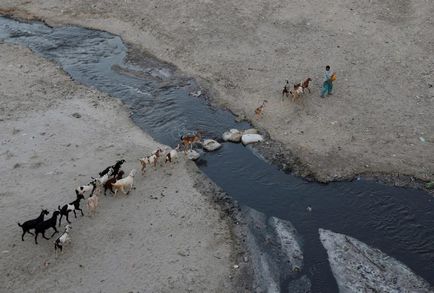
75, 205
45, 225
115, 167
31, 224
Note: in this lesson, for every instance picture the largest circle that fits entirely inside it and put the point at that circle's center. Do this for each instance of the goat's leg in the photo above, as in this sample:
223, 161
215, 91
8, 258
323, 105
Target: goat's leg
55, 231
75, 214
22, 236
67, 218
43, 235
60, 220
36, 237
80, 211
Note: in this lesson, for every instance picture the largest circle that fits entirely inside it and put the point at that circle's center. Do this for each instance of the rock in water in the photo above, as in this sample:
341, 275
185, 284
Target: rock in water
233, 135
360, 268
211, 145
287, 237
251, 138
250, 131
276, 254
193, 155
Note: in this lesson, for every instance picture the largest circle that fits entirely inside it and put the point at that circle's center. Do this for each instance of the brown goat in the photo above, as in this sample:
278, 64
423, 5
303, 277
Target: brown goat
108, 184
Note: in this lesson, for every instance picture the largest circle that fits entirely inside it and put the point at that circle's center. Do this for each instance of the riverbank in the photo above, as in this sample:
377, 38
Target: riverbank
168, 235
377, 121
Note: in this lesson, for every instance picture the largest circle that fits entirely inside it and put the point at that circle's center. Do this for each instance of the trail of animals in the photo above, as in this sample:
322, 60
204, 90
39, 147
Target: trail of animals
111, 178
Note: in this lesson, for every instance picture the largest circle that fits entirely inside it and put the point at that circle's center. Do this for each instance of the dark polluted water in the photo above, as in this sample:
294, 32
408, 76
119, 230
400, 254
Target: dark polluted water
398, 221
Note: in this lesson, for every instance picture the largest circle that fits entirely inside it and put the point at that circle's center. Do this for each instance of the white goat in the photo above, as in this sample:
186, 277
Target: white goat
172, 155
92, 203
150, 160
144, 161
62, 239
85, 188
103, 179
125, 183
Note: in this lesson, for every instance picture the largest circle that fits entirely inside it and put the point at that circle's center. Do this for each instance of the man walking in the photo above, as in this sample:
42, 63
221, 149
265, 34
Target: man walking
327, 85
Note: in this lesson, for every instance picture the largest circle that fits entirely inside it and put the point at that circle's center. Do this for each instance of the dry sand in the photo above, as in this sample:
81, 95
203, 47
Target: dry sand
245, 50
164, 237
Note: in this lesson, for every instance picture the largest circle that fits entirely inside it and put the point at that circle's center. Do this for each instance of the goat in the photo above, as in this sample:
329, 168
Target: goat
104, 178
85, 188
62, 239
124, 183
108, 184
189, 140
150, 160
159, 151
172, 154
260, 109
143, 162
153, 159
31, 224
115, 168
66, 209
305, 84
297, 92
92, 203
155, 156
45, 225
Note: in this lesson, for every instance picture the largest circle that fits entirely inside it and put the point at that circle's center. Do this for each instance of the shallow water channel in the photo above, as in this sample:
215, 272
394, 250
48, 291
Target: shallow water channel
398, 221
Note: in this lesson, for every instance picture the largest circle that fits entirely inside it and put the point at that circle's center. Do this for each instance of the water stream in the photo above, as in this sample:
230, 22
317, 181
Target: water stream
399, 221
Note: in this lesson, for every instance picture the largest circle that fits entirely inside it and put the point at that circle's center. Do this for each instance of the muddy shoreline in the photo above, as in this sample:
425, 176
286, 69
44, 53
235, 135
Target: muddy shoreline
277, 154
231, 210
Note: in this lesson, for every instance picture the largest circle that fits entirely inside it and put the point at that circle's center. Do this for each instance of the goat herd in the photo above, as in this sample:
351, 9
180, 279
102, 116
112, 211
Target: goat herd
296, 93
110, 179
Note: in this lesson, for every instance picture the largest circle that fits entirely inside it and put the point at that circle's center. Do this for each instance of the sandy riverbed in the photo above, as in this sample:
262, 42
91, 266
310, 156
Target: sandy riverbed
164, 237
379, 121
